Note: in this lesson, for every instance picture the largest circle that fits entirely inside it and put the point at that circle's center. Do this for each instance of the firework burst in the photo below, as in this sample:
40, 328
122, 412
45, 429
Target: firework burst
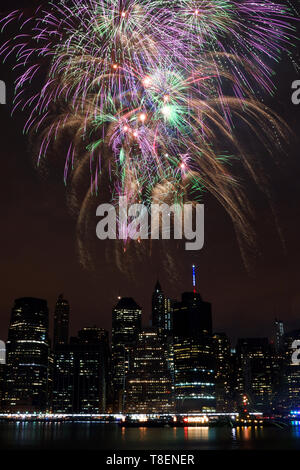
149, 93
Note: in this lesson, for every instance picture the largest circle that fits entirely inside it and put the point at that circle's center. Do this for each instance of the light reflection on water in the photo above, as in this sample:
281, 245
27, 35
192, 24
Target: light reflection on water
297, 431
109, 436
196, 433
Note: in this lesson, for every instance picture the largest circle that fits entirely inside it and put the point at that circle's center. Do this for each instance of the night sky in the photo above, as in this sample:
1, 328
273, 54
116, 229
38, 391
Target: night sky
38, 240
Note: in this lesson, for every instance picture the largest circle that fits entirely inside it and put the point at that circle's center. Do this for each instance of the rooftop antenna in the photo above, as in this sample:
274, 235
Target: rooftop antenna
194, 279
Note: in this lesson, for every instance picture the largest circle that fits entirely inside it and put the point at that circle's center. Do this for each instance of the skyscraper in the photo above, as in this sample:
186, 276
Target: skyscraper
254, 379
162, 320
148, 381
93, 356
126, 325
27, 356
279, 332
80, 380
194, 360
291, 372
2, 352
192, 316
61, 322
3, 368
161, 311
223, 372
64, 379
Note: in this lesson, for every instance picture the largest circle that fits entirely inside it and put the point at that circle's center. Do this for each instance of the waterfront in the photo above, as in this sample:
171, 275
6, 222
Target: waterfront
97, 436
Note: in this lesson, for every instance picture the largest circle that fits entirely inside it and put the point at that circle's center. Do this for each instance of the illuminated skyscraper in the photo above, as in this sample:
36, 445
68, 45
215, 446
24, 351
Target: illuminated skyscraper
224, 372
162, 320
148, 381
279, 332
291, 371
2, 371
64, 379
255, 378
3, 368
92, 350
161, 311
27, 356
194, 359
81, 373
2, 352
61, 322
126, 325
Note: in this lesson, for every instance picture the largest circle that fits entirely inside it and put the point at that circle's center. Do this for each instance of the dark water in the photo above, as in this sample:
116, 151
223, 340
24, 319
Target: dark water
96, 436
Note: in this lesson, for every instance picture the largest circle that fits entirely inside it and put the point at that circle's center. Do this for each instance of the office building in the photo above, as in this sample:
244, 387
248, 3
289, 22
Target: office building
3, 368
192, 316
290, 392
126, 325
223, 372
279, 332
27, 356
254, 377
81, 376
61, 322
161, 311
194, 358
148, 381
64, 379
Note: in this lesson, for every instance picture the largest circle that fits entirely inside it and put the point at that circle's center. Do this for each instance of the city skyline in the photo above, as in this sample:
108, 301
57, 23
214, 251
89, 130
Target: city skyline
146, 317
277, 328
178, 364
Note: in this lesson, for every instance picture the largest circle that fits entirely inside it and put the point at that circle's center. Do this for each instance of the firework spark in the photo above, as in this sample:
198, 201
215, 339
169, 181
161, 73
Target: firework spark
150, 95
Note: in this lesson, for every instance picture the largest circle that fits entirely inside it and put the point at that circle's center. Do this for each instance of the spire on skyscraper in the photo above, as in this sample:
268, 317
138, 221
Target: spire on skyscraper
194, 279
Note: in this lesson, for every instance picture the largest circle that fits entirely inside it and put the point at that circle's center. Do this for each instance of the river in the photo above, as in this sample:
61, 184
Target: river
97, 436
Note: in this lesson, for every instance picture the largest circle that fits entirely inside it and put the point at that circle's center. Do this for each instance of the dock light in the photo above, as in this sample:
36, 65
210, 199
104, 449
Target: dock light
142, 418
